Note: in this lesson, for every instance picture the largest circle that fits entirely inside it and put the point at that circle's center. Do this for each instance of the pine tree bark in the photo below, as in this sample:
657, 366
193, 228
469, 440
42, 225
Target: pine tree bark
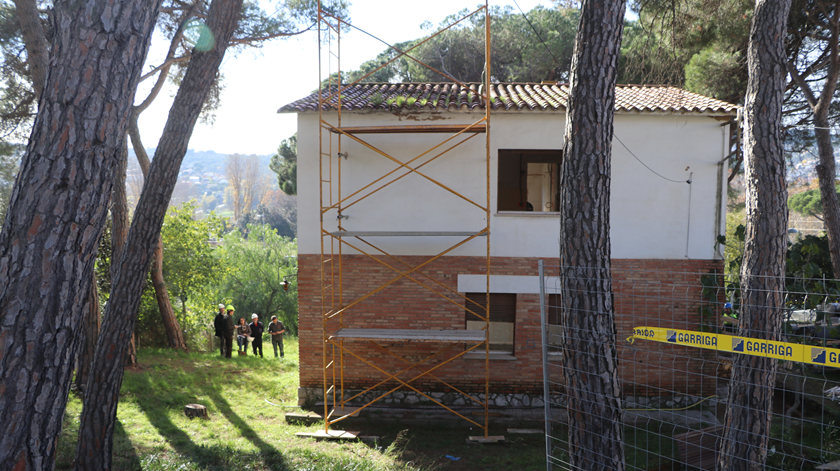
748, 414
96, 430
56, 215
35, 41
89, 334
119, 233
174, 334
590, 360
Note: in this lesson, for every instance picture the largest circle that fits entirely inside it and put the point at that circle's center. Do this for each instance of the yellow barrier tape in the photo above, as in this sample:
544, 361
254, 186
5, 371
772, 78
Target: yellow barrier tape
742, 345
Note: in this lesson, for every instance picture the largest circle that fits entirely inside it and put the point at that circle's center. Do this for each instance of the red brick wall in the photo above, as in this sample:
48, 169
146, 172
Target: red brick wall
663, 293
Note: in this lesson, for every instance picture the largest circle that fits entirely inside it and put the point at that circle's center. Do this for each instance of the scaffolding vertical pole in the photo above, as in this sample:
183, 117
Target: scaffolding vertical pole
487, 211
340, 228
320, 210
546, 394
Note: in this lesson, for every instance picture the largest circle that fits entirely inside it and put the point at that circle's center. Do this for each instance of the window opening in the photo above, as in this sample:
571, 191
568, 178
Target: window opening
502, 318
529, 180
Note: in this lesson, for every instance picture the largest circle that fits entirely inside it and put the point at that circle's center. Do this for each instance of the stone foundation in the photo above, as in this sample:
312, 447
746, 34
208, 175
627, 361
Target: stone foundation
308, 397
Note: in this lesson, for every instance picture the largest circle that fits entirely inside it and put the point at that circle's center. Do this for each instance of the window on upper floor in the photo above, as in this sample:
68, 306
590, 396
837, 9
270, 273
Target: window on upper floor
502, 318
529, 180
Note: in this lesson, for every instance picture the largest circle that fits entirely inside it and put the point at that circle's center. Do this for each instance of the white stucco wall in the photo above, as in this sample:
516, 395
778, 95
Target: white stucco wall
650, 216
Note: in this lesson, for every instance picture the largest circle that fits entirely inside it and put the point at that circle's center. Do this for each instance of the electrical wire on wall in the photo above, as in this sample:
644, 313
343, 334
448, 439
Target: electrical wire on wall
690, 175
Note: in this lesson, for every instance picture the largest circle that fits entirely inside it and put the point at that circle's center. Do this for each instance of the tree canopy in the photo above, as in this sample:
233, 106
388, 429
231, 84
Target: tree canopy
519, 52
253, 271
189, 264
697, 44
284, 164
808, 202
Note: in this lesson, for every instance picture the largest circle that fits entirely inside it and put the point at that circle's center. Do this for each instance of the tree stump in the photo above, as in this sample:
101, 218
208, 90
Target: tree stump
195, 410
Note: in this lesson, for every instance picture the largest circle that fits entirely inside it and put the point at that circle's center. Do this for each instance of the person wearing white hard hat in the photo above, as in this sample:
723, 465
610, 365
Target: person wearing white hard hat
257, 329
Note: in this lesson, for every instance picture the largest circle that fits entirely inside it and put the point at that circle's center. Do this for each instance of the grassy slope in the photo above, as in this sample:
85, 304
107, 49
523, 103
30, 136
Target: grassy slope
246, 432
243, 431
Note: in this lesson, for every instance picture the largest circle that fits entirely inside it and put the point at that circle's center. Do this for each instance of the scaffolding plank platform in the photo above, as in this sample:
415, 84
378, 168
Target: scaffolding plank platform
413, 129
422, 335
332, 435
308, 417
406, 234
489, 439
341, 412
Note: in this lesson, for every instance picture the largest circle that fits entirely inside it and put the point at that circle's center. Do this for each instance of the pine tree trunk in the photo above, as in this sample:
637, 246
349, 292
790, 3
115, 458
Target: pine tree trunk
96, 430
174, 334
826, 169
56, 215
748, 414
35, 40
590, 359
119, 233
89, 334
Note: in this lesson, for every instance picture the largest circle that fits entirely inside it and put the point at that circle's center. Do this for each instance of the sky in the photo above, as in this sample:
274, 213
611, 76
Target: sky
258, 82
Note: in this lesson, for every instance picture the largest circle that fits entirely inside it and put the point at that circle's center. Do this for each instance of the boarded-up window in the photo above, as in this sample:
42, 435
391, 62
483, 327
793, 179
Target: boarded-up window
502, 318
529, 180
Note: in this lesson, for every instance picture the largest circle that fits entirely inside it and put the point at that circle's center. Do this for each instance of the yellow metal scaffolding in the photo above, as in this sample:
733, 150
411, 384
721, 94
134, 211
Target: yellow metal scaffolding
338, 340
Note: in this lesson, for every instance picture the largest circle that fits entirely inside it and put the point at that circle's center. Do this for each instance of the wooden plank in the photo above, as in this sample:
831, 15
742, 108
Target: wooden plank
834, 465
427, 335
331, 435
488, 439
422, 128
526, 430
341, 412
406, 234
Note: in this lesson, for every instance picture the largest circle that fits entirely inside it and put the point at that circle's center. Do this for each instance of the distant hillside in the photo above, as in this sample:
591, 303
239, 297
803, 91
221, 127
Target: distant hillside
201, 161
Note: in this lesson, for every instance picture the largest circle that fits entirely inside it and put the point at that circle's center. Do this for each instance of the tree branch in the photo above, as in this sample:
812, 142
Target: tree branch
35, 40
238, 41
803, 86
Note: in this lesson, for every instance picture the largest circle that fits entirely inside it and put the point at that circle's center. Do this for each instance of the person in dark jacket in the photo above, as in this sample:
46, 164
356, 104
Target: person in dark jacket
276, 329
257, 329
228, 330
218, 324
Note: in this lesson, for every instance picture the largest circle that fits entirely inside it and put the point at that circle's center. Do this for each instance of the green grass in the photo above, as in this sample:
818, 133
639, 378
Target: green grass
245, 432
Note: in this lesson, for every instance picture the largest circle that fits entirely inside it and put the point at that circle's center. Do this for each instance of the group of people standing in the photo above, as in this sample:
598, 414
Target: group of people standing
246, 333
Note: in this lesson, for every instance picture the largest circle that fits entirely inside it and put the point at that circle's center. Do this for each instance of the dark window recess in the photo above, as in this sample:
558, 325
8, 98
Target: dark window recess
529, 180
553, 319
553, 310
502, 318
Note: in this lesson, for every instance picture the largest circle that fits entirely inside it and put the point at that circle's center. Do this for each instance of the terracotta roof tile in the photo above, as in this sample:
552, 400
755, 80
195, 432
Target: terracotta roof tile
503, 96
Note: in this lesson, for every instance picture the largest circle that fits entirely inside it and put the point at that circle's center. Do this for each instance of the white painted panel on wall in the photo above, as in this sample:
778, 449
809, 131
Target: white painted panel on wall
507, 284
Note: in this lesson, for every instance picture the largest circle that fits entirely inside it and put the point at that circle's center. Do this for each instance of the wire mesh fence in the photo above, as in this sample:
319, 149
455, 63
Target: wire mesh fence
690, 372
